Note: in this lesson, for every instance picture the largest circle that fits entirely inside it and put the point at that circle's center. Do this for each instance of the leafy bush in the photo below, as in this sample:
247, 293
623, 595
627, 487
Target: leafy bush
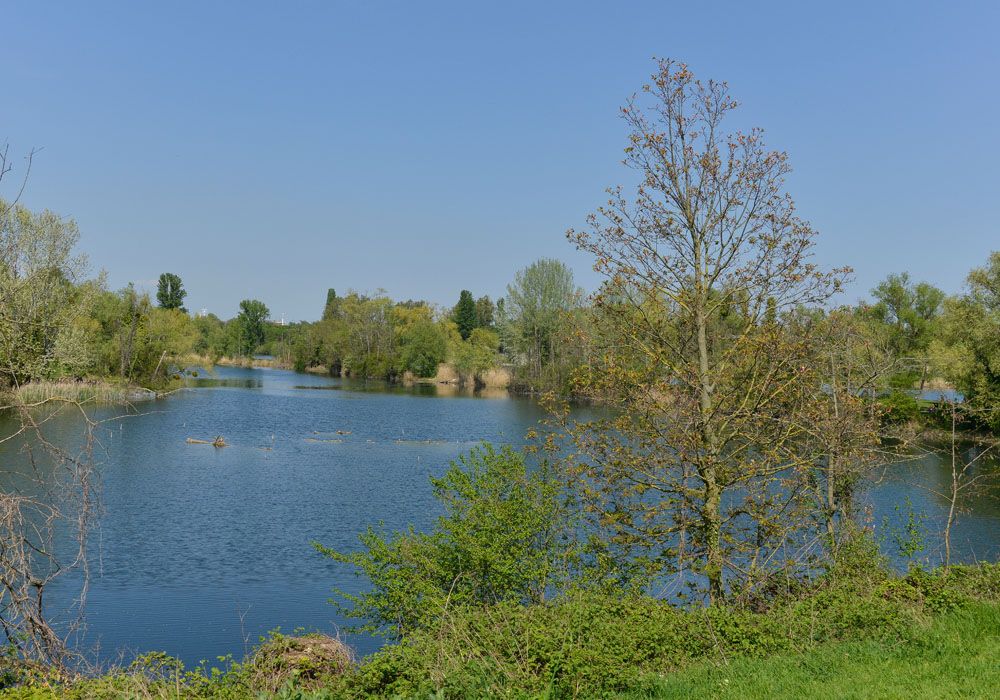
593, 644
899, 407
506, 535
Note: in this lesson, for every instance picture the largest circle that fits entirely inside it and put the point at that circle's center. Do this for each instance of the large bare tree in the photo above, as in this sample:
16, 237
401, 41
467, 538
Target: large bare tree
698, 469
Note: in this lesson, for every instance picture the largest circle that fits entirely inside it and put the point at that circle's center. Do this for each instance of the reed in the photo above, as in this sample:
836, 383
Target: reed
38, 392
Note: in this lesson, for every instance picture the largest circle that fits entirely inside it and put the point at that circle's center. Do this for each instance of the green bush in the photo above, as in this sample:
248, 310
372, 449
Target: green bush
589, 644
899, 406
507, 534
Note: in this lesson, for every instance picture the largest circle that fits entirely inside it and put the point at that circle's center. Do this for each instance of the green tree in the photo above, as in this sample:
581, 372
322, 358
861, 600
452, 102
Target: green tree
170, 292
423, 344
464, 314
534, 312
211, 336
968, 349
39, 293
485, 312
908, 312
330, 307
359, 338
478, 354
252, 317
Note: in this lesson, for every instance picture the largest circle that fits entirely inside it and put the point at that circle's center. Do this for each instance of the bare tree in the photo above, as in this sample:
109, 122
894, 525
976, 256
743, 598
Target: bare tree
963, 481
848, 433
716, 389
47, 511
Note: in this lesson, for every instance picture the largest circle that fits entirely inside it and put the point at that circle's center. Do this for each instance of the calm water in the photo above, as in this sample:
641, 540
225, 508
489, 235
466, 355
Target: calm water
201, 549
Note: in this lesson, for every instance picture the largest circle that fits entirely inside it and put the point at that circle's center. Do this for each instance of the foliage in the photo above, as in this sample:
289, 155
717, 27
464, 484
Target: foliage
424, 343
926, 630
485, 312
465, 315
478, 354
375, 337
699, 347
852, 364
907, 313
170, 292
506, 535
968, 351
594, 645
253, 314
40, 300
899, 406
535, 314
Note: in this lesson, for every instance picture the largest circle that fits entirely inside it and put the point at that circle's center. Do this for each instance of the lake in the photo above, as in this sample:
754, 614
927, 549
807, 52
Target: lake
202, 550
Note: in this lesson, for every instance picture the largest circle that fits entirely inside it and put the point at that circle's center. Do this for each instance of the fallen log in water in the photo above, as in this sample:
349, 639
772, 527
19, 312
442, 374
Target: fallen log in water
219, 441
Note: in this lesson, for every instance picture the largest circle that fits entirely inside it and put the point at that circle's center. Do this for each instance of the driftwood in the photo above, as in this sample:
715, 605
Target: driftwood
219, 441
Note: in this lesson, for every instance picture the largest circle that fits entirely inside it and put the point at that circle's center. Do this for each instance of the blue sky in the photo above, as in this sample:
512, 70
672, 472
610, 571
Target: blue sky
273, 150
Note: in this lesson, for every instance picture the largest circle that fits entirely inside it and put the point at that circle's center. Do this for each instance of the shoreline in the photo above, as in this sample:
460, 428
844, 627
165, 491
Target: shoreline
35, 393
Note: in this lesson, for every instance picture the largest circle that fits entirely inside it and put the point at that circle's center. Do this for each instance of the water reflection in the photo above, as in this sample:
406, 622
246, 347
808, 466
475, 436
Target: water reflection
215, 382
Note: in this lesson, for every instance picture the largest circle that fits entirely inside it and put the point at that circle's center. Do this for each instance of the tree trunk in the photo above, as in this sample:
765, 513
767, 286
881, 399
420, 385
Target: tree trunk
712, 506
954, 492
831, 466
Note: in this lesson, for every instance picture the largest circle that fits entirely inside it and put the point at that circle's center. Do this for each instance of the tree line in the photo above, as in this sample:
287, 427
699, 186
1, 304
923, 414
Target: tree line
59, 323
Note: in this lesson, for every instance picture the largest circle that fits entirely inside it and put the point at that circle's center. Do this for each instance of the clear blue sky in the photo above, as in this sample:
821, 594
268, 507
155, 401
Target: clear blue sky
277, 149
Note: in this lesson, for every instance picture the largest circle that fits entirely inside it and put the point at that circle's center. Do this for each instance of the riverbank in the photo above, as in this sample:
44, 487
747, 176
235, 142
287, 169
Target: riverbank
857, 631
247, 362
84, 391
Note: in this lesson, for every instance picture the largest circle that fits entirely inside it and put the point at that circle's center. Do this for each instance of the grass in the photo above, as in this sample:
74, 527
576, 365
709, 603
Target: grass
101, 392
957, 656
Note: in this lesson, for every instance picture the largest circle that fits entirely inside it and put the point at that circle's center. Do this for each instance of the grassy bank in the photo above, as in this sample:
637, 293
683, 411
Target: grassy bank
92, 392
208, 361
957, 655
273, 363
858, 632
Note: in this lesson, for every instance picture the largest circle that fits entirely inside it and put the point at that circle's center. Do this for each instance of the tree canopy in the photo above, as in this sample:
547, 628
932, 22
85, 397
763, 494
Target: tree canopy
170, 292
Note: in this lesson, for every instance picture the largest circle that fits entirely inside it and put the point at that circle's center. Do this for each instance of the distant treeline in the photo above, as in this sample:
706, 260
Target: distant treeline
58, 323
529, 333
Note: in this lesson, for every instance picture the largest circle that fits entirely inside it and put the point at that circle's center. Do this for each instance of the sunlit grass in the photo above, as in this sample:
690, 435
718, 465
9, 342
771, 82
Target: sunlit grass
958, 656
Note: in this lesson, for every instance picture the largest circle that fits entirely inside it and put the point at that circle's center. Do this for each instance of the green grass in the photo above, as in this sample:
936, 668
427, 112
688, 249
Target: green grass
958, 656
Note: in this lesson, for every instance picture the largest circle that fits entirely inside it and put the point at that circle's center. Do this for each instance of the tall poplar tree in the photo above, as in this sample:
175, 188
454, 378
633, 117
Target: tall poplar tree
465, 315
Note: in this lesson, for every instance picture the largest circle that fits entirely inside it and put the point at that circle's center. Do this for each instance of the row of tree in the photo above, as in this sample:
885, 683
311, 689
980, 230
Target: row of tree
56, 322
528, 332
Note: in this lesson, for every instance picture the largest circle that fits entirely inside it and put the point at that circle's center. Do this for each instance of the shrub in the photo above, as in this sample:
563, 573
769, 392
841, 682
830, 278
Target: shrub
507, 534
899, 406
